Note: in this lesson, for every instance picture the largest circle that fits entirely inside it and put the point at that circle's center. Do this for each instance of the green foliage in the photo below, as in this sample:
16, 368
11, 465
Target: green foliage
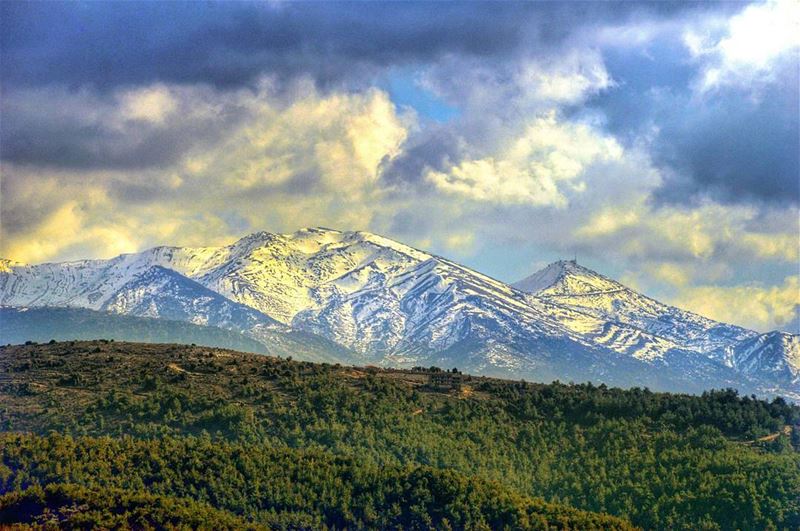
68, 506
277, 487
658, 460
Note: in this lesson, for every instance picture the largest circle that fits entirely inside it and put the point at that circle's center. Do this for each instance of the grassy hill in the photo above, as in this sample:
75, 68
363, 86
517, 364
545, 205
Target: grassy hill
126, 429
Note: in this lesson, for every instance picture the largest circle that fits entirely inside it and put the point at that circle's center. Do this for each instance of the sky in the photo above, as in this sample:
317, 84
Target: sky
658, 141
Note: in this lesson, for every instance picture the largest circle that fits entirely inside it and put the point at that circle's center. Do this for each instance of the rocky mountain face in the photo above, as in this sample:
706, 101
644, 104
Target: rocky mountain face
367, 298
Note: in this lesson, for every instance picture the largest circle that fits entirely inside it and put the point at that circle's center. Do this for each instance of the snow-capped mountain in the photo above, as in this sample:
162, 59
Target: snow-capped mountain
148, 284
163, 293
573, 286
774, 355
395, 304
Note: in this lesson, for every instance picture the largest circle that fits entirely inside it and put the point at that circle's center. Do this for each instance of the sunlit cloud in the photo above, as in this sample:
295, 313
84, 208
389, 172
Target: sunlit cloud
755, 305
152, 104
704, 232
277, 166
750, 43
534, 169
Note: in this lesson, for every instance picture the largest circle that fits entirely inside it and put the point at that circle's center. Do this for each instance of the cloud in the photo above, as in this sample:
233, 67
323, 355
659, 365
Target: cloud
268, 164
317, 143
709, 231
733, 142
230, 45
129, 129
84, 217
753, 305
751, 42
671, 273
534, 169
499, 67
731, 147
522, 84
151, 104
459, 242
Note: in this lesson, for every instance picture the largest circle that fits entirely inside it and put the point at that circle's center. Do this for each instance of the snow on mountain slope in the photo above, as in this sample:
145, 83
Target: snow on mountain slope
166, 294
569, 285
775, 355
132, 285
403, 306
84, 283
566, 277
396, 304
90, 283
281, 275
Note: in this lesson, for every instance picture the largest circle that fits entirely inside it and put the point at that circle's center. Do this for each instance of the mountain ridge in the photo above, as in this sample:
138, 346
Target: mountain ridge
391, 303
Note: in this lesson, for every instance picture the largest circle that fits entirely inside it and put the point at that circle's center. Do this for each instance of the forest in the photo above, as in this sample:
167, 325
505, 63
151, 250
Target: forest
141, 435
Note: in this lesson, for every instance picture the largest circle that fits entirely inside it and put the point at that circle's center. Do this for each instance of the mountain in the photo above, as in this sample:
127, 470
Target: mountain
573, 286
140, 285
774, 356
161, 292
383, 302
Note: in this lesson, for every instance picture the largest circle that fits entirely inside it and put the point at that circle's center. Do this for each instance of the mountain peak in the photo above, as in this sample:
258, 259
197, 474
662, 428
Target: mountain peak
566, 277
313, 239
261, 235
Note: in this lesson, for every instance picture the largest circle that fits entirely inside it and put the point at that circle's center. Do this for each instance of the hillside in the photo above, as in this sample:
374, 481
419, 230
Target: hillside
369, 447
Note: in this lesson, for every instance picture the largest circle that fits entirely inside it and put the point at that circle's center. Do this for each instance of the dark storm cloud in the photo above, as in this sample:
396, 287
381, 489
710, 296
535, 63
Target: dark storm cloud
433, 150
72, 145
732, 149
231, 44
87, 131
22, 215
733, 144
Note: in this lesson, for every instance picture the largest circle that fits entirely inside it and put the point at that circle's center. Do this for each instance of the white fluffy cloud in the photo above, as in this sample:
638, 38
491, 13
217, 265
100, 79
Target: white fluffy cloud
535, 168
749, 44
574, 76
152, 104
334, 142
